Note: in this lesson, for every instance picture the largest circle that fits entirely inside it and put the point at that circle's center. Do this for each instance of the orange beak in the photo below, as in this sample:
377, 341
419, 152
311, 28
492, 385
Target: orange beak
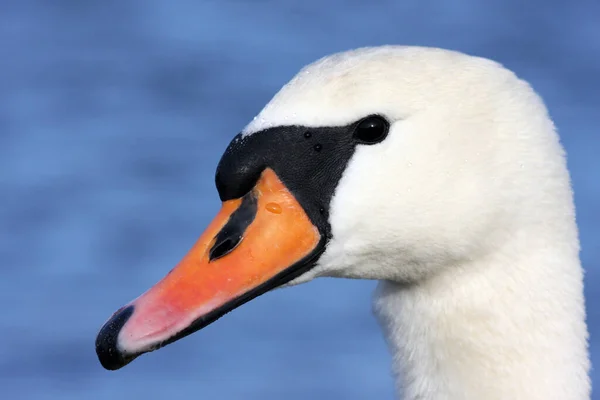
254, 244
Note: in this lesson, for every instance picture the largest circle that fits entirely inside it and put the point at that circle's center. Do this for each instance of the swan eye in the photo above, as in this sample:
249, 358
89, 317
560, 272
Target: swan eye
372, 129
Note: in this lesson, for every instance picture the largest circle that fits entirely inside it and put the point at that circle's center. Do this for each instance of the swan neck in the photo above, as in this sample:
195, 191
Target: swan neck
499, 328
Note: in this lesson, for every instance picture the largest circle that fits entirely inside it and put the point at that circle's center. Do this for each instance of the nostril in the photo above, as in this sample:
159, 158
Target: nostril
233, 232
224, 247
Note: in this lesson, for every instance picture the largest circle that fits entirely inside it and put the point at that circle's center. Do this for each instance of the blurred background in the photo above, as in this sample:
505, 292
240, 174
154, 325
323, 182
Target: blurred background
113, 116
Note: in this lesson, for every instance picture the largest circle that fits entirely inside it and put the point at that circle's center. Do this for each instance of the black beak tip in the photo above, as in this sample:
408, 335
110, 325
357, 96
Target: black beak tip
107, 348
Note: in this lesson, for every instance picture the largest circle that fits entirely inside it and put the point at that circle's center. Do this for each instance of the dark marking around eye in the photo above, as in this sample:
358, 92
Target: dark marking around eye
284, 149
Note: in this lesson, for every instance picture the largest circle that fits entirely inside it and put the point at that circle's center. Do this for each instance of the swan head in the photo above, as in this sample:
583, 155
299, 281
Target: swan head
391, 163
457, 175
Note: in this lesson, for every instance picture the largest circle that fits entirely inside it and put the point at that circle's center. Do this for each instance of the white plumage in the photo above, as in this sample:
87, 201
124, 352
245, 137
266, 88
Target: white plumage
465, 214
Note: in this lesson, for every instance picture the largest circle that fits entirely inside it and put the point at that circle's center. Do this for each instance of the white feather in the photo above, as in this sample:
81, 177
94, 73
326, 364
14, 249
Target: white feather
464, 213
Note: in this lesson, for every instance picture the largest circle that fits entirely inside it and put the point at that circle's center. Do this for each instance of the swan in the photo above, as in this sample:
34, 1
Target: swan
437, 173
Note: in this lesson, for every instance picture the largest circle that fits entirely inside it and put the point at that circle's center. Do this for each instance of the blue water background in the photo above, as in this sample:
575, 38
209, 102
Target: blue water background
113, 115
